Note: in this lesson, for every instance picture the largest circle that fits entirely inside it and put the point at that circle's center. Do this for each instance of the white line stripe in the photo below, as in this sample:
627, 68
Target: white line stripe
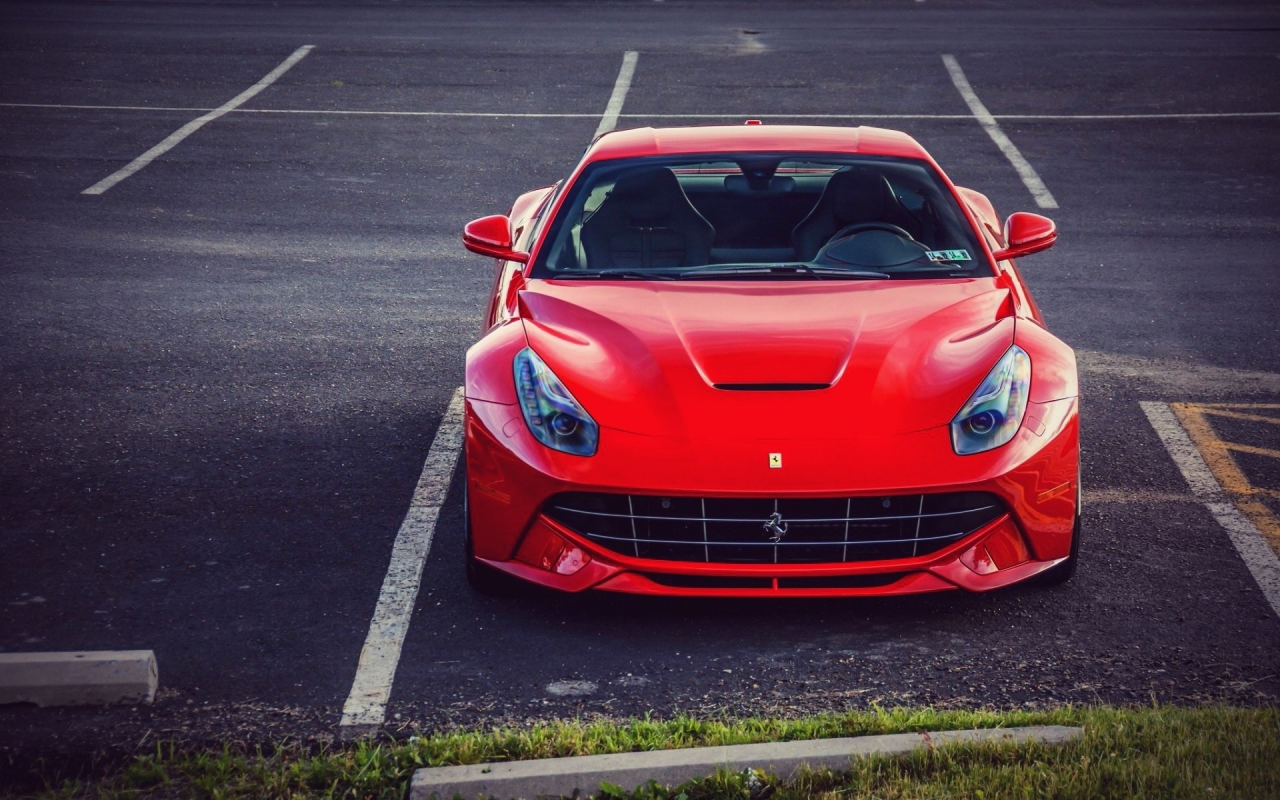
1029, 177
737, 115
74, 106
367, 703
1248, 540
610, 119
1188, 115
197, 123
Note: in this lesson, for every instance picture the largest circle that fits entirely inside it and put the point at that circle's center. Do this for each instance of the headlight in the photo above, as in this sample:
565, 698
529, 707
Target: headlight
994, 412
553, 416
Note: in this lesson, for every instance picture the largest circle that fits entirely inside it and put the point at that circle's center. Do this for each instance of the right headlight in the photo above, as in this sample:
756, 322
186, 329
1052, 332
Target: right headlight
995, 411
554, 417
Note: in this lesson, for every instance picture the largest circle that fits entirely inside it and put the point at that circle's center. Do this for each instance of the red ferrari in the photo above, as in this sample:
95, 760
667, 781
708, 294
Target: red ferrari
766, 361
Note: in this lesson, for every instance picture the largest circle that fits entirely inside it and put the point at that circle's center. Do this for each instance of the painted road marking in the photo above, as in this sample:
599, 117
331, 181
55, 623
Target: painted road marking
196, 124
1175, 115
620, 88
573, 115
1217, 454
1249, 541
366, 705
1164, 376
988, 122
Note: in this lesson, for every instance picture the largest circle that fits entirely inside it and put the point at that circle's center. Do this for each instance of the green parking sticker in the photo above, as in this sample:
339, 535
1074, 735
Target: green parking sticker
949, 255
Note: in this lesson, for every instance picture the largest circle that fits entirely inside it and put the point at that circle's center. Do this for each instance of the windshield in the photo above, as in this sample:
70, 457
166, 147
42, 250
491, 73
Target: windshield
760, 216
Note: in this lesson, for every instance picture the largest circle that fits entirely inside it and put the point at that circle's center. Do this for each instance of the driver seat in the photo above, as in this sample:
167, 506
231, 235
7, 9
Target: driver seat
852, 195
647, 222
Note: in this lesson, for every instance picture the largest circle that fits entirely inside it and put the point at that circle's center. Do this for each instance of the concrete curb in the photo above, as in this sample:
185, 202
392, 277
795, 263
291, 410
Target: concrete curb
560, 777
78, 679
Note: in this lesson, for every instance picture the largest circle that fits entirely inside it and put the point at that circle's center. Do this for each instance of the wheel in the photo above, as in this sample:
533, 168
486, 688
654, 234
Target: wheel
1060, 574
482, 577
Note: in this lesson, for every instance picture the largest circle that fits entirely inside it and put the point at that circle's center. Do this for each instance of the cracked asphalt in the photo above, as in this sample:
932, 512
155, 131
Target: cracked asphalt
219, 379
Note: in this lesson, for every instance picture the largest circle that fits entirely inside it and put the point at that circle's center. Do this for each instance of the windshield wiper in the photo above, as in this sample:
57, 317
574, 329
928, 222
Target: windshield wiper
634, 274
817, 273
929, 265
806, 269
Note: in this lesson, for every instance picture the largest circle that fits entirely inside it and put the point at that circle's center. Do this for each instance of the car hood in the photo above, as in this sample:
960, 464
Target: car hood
711, 360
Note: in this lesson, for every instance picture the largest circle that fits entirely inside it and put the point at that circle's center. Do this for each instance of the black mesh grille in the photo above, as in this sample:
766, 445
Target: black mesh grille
738, 531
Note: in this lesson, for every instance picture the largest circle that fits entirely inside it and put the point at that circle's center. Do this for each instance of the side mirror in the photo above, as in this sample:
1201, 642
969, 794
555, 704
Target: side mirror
1025, 234
491, 236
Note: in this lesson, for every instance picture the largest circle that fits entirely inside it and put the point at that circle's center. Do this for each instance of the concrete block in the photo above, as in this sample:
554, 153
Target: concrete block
75, 679
559, 777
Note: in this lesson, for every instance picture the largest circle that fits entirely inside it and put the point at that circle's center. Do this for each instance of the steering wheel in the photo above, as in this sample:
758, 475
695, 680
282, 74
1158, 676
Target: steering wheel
894, 248
859, 227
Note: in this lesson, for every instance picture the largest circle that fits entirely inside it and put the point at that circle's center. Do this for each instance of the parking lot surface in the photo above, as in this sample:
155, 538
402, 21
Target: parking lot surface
220, 376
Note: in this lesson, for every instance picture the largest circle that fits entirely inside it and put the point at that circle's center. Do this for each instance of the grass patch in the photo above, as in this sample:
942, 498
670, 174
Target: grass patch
1211, 751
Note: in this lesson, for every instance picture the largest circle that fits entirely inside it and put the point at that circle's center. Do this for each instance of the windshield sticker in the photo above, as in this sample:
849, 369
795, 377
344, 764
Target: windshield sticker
949, 255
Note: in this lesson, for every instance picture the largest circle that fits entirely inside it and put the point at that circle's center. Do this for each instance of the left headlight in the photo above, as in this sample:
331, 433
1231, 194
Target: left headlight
554, 417
995, 411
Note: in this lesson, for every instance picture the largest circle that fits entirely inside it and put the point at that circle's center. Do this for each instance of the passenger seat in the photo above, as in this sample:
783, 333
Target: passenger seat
647, 222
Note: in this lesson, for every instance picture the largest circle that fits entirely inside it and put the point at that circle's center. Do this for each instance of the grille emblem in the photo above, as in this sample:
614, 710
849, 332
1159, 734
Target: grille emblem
776, 527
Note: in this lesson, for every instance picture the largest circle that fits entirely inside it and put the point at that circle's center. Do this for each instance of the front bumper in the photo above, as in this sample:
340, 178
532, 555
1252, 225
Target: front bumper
510, 478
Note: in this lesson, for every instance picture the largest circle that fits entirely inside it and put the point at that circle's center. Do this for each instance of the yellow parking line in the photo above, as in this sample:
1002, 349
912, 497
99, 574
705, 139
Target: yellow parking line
1217, 454
1222, 412
1257, 549
1237, 405
1260, 491
1248, 448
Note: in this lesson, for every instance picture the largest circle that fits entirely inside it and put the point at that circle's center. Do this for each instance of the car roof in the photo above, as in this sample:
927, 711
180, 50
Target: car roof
640, 142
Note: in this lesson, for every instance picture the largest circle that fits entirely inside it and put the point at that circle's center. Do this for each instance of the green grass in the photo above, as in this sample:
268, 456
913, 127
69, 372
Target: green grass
1148, 752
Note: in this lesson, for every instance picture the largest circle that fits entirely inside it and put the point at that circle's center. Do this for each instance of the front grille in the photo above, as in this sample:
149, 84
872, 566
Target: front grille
718, 530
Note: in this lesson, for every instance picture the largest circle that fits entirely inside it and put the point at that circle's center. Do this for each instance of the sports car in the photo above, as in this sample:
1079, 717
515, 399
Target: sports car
771, 361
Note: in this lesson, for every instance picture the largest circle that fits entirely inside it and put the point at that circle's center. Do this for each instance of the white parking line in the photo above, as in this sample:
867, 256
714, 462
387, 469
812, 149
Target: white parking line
75, 106
620, 87
366, 705
988, 122
1187, 115
1248, 540
197, 123
735, 116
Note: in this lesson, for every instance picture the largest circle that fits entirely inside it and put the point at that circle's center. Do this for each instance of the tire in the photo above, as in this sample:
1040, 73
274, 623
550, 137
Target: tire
1060, 574
483, 578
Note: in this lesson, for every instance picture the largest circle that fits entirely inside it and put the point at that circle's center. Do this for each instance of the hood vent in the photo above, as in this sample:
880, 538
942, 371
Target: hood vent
772, 387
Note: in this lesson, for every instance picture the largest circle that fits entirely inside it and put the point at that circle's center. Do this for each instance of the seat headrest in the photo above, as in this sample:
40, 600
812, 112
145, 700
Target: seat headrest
648, 195
859, 194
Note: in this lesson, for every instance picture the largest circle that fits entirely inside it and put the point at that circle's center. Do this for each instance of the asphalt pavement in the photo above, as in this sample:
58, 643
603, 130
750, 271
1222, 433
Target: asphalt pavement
219, 378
